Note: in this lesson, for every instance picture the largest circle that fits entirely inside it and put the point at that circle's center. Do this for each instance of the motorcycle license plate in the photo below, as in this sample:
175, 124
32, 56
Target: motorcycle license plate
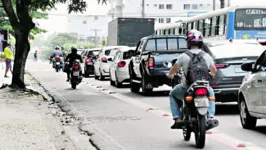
76, 73
57, 63
201, 102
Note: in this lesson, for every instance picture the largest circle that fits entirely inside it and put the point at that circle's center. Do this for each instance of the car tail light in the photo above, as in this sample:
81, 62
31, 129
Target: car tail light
104, 59
201, 92
151, 62
221, 66
57, 59
88, 60
121, 64
75, 67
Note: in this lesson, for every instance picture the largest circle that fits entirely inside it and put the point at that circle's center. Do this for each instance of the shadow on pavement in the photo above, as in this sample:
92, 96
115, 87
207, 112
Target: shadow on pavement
226, 109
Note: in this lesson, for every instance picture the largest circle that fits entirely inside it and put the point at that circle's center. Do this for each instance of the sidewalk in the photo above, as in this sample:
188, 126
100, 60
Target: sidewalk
26, 122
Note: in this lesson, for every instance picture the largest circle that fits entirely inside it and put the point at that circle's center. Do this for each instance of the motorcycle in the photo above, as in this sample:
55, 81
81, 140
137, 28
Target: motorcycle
57, 63
76, 74
195, 110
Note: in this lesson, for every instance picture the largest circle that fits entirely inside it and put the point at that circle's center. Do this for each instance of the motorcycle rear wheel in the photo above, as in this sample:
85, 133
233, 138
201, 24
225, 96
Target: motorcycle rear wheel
200, 132
187, 133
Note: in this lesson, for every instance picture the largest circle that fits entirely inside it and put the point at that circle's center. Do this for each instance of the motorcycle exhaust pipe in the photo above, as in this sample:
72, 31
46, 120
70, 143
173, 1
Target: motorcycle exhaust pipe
212, 124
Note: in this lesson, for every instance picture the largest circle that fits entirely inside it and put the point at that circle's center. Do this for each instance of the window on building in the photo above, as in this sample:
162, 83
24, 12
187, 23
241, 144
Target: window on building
186, 6
169, 6
155, 5
168, 20
194, 6
96, 18
213, 26
84, 22
201, 5
207, 23
161, 20
161, 6
147, 5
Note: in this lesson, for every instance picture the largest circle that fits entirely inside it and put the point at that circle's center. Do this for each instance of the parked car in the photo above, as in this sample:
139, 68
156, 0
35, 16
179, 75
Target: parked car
101, 66
228, 57
252, 95
152, 61
119, 66
89, 57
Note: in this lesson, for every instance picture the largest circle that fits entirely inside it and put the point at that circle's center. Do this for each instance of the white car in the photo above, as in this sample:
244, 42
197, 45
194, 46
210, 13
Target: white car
119, 66
102, 64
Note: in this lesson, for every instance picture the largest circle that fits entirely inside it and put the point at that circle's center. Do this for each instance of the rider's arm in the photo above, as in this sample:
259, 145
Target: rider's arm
176, 67
67, 58
80, 58
211, 65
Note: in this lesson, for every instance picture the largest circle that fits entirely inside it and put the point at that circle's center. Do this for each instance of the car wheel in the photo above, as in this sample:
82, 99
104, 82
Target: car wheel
144, 84
101, 76
111, 81
117, 84
247, 121
95, 75
134, 87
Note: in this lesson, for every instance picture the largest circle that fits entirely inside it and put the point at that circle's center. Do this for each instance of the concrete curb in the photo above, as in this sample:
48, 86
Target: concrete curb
67, 117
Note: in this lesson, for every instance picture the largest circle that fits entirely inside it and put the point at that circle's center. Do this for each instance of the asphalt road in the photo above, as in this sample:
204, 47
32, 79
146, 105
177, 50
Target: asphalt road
123, 120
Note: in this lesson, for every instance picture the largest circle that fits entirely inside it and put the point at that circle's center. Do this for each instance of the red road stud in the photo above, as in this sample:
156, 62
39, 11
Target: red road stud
241, 145
208, 132
166, 115
150, 109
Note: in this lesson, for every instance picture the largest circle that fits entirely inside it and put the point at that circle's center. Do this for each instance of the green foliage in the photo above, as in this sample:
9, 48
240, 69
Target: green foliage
85, 45
63, 38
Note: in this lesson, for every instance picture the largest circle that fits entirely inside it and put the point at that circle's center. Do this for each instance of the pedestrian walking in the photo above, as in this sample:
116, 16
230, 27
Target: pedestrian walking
35, 56
8, 58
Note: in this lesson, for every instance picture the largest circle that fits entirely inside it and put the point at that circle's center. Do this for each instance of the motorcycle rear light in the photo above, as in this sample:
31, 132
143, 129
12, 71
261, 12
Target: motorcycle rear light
212, 98
189, 98
104, 59
88, 60
201, 92
221, 66
75, 67
57, 59
151, 62
121, 64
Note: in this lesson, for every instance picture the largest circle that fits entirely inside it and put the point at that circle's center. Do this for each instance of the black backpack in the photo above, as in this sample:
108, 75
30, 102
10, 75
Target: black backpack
197, 69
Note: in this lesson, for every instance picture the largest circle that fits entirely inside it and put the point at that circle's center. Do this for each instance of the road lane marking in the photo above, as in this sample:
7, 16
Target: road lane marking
216, 134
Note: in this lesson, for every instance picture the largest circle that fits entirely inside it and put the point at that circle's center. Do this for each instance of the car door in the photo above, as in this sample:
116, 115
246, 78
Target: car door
136, 58
113, 66
256, 86
97, 62
263, 82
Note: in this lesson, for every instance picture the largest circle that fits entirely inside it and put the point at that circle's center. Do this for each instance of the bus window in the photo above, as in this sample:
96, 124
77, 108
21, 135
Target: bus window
201, 26
207, 27
189, 27
213, 24
221, 25
164, 32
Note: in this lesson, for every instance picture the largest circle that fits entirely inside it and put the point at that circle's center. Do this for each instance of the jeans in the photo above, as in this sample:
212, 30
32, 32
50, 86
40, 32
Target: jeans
178, 93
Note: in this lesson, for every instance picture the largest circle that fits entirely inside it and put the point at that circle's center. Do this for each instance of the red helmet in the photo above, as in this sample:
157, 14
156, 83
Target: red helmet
194, 38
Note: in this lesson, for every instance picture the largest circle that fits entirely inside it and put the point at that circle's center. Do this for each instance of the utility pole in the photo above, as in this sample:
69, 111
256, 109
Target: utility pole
143, 9
213, 3
95, 37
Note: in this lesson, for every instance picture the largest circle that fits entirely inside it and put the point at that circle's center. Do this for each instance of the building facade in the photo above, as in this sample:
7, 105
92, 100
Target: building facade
88, 27
166, 11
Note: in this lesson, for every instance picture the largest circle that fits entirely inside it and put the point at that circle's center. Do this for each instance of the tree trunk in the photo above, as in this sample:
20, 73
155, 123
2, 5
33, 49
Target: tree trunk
21, 54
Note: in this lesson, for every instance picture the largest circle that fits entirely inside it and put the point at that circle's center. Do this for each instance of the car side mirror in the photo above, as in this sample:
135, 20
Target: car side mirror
247, 66
137, 53
110, 59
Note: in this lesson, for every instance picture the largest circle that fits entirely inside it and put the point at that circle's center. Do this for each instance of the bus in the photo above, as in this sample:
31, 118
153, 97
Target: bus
236, 22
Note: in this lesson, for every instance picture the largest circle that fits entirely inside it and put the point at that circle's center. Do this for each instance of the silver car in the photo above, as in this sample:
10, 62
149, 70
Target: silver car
252, 93
101, 65
119, 66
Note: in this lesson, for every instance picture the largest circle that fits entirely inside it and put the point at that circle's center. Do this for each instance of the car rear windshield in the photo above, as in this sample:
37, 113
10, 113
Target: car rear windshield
236, 50
110, 52
93, 53
128, 54
162, 44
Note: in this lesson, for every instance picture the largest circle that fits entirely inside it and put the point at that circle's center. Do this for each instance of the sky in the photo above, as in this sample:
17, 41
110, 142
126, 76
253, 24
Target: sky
57, 23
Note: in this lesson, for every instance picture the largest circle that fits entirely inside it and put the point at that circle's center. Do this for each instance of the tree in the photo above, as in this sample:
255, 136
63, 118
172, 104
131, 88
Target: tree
21, 21
63, 38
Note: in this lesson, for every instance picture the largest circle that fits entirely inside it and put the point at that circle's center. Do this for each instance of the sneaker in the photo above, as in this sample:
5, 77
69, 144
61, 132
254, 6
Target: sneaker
178, 125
